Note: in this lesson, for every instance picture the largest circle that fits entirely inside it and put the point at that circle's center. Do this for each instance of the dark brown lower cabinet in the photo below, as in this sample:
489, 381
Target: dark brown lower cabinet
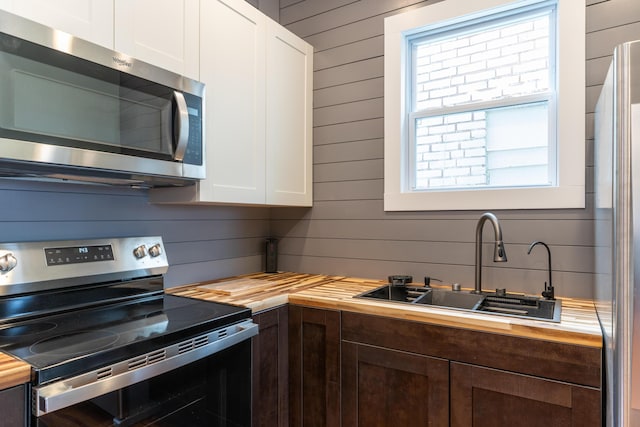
271, 369
483, 397
357, 370
13, 407
383, 387
393, 376
314, 367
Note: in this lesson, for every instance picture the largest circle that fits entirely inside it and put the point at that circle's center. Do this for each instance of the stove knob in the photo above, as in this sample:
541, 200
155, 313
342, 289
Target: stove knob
140, 252
155, 250
8, 262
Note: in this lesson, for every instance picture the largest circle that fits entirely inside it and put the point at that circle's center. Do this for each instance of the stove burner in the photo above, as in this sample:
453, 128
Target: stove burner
28, 329
74, 343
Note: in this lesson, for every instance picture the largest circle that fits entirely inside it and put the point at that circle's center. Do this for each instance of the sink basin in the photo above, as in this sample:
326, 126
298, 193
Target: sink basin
491, 303
521, 306
396, 293
453, 299
427, 296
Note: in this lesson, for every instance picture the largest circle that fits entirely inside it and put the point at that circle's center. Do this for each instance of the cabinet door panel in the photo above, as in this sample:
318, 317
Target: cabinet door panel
270, 369
289, 118
161, 32
232, 65
314, 363
91, 20
13, 407
485, 397
383, 387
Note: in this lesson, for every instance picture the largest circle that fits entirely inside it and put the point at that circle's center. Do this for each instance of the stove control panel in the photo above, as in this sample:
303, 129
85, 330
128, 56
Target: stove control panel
34, 266
78, 254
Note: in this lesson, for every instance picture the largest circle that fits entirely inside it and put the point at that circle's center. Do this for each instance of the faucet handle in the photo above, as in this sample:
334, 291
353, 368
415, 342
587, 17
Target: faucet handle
548, 292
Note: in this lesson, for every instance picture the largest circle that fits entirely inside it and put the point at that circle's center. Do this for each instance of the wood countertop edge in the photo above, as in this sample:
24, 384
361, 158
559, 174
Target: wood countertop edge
456, 319
14, 372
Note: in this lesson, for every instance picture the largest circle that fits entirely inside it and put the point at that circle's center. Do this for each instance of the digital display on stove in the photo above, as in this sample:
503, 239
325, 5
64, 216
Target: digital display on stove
78, 254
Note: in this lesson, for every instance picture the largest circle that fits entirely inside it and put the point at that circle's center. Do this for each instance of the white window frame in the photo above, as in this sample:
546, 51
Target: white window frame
569, 191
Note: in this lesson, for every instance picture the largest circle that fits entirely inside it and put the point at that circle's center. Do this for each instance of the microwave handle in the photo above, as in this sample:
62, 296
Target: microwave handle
181, 126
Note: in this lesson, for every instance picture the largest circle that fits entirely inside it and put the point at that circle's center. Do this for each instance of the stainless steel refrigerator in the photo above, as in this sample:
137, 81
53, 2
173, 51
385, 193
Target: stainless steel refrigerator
617, 233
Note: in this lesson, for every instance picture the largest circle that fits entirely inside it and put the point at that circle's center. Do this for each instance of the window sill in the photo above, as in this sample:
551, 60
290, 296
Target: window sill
566, 197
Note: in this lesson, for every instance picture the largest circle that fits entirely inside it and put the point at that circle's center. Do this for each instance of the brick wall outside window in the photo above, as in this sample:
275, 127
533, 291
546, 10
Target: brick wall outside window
452, 150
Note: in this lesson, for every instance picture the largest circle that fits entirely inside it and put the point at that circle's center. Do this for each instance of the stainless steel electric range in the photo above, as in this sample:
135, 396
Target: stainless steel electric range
108, 347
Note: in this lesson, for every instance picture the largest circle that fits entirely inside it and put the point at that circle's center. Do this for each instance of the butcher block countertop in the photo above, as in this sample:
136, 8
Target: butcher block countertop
579, 323
13, 372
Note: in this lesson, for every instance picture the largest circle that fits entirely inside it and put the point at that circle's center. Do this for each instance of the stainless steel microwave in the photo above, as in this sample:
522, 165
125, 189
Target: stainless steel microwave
73, 110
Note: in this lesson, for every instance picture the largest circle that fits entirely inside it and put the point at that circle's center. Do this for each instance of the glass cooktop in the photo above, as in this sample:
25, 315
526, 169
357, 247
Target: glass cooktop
62, 345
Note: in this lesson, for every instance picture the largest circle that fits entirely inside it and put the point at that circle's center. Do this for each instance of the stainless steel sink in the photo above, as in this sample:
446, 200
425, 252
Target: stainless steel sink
453, 299
396, 293
521, 306
504, 304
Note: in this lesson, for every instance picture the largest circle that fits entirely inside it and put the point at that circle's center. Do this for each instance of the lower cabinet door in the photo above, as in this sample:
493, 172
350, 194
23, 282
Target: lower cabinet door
271, 369
383, 387
13, 407
483, 397
314, 367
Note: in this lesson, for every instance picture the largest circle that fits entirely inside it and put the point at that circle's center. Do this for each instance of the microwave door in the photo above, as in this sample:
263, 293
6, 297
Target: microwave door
65, 103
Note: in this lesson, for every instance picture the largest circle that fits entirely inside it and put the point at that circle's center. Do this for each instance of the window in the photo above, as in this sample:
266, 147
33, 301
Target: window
484, 106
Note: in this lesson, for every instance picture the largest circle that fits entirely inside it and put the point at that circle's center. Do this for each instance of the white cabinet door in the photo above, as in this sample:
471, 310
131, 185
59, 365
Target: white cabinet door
232, 66
91, 20
164, 33
289, 118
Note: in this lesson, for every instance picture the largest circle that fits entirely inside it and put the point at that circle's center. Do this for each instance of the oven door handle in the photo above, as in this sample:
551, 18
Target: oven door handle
61, 394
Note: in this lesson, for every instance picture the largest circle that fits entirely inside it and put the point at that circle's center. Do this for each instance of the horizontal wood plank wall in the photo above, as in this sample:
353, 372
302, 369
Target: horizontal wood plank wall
202, 242
348, 233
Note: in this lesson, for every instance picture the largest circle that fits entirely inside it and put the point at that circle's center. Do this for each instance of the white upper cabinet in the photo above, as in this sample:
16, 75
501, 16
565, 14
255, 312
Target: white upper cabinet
288, 118
258, 108
164, 33
91, 20
232, 67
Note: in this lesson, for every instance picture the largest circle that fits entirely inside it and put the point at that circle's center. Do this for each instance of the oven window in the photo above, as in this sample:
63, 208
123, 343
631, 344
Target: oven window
212, 392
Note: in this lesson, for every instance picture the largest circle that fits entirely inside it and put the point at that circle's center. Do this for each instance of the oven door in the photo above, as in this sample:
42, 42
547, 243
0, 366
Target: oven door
214, 392
203, 380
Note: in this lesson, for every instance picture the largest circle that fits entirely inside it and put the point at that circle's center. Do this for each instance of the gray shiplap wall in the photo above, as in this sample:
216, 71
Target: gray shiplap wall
347, 232
202, 242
